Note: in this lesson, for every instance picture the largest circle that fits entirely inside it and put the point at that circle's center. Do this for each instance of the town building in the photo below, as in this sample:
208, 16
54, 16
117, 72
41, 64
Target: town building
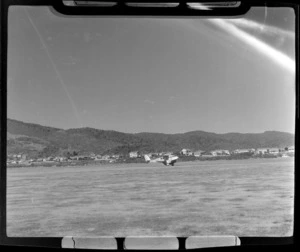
241, 151
134, 154
220, 152
261, 151
291, 149
198, 153
273, 151
186, 152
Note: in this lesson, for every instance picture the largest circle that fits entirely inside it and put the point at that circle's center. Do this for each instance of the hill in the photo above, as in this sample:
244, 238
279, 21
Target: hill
41, 141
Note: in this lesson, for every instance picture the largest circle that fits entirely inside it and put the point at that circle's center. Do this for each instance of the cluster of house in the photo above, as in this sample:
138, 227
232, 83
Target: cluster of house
199, 153
258, 151
22, 158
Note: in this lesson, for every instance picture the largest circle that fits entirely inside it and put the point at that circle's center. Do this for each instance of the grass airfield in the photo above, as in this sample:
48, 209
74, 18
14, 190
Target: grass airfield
253, 197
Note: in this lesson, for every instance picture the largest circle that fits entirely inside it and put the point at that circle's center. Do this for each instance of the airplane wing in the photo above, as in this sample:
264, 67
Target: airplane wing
149, 160
159, 160
169, 161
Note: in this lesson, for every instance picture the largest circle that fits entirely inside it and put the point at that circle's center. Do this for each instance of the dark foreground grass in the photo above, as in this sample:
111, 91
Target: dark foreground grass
234, 197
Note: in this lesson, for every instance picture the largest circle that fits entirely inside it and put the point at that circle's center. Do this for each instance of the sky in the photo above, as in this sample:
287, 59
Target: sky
167, 75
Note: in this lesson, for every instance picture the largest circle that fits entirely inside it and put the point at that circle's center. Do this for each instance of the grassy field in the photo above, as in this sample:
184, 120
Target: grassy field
251, 197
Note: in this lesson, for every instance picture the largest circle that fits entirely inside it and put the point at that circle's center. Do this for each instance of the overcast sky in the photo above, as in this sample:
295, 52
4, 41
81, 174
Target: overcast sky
153, 75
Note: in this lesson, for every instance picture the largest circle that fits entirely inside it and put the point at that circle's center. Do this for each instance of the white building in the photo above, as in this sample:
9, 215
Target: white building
134, 154
186, 152
291, 149
240, 151
105, 157
274, 151
220, 152
261, 151
198, 153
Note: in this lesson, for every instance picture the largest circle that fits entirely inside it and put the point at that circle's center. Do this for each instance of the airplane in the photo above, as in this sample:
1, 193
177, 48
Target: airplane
166, 159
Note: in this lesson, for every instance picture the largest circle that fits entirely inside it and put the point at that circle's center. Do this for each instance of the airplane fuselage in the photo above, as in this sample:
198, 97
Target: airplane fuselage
166, 160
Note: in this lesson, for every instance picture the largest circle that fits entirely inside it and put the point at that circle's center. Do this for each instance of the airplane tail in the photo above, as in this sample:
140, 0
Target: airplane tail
147, 158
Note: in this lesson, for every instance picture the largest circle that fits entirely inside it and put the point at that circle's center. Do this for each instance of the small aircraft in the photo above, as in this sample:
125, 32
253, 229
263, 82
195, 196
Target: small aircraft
166, 159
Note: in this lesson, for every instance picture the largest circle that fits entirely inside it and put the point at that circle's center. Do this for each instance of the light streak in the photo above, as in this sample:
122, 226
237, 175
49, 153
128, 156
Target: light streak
55, 69
268, 29
275, 55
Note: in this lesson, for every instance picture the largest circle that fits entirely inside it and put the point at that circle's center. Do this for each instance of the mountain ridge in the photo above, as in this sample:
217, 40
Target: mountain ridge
40, 141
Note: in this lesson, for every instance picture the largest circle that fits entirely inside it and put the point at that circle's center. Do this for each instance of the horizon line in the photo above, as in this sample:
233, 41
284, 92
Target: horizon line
232, 132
